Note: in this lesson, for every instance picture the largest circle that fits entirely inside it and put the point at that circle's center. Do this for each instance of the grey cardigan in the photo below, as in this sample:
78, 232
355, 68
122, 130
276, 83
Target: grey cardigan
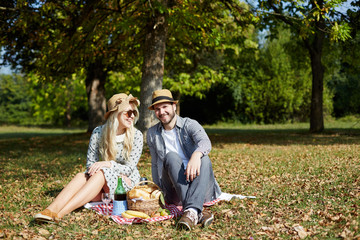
192, 137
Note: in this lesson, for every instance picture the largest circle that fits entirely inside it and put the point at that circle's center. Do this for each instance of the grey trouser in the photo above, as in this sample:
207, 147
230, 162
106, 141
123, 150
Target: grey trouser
188, 194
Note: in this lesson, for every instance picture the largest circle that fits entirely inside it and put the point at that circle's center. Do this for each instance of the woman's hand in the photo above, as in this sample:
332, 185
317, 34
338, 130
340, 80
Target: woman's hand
126, 179
97, 166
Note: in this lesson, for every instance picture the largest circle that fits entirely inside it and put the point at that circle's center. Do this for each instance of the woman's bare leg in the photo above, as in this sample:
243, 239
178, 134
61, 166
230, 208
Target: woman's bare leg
68, 192
88, 192
97, 198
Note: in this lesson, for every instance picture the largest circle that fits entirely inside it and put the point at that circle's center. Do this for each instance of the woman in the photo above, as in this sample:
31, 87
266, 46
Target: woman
119, 145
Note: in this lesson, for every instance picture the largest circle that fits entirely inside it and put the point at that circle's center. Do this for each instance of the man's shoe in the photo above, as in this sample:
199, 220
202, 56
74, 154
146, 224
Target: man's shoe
188, 220
206, 218
46, 216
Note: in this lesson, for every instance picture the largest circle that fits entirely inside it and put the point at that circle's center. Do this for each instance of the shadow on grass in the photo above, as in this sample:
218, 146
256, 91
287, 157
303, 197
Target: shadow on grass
53, 192
51, 155
25, 135
42, 156
284, 136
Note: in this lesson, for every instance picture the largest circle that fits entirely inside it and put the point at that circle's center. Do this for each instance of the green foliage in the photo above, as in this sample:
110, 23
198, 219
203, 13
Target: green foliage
28, 100
340, 32
279, 91
80, 36
127, 82
196, 84
346, 90
265, 84
59, 103
213, 55
15, 100
304, 17
194, 50
343, 65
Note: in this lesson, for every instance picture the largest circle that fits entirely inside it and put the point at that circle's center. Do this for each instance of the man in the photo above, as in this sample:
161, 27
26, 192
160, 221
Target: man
179, 149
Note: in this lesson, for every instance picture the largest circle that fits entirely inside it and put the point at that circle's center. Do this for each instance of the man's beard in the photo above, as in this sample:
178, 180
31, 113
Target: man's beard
172, 115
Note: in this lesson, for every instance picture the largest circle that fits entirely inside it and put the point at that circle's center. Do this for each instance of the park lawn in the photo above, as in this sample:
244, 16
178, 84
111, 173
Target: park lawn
305, 184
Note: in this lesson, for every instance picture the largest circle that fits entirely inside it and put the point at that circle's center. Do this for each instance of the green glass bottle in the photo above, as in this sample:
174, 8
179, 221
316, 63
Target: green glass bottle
119, 203
120, 193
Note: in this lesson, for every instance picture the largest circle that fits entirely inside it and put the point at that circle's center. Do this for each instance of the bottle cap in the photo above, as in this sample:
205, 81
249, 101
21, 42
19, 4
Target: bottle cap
143, 179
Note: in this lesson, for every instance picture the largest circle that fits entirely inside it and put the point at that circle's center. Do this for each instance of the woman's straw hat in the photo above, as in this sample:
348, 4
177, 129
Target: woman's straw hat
161, 96
120, 101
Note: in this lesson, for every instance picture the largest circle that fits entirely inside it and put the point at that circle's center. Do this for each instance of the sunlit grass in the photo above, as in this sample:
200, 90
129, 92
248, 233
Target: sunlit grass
351, 122
22, 129
13, 131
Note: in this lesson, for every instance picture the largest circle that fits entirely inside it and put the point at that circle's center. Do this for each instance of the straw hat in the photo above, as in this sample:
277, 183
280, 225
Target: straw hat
161, 96
120, 101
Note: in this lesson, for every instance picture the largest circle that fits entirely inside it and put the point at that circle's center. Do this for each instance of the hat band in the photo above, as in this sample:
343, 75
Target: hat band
162, 98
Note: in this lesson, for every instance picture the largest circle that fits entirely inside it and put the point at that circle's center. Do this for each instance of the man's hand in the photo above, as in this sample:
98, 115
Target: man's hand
97, 166
193, 166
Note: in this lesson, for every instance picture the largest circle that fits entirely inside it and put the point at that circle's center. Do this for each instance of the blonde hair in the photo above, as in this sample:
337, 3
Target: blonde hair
108, 146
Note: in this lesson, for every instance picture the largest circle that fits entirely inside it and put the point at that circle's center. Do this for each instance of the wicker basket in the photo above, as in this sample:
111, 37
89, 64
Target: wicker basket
145, 206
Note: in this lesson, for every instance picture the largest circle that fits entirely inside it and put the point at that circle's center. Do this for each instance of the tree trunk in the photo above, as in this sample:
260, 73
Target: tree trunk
316, 114
315, 47
95, 82
153, 67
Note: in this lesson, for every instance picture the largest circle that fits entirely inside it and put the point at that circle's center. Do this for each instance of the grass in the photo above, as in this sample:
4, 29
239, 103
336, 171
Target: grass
305, 184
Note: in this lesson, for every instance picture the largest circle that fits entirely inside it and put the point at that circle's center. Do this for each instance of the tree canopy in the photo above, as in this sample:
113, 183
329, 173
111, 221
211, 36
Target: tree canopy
194, 48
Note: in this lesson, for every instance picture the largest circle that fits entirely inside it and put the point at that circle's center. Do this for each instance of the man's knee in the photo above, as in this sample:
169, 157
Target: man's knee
171, 159
206, 162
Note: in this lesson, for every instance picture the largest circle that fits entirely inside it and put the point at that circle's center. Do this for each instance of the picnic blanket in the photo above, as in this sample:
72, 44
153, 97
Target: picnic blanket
175, 211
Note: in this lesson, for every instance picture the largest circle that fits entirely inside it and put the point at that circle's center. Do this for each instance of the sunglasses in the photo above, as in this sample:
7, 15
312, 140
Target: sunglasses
130, 113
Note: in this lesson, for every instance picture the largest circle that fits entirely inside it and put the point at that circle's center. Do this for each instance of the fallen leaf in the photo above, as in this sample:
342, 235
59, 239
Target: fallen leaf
225, 211
346, 233
301, 231
38, 238
44, 231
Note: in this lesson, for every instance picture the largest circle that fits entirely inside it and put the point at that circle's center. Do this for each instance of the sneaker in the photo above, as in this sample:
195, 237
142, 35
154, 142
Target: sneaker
188, 220
206, 218
46, 216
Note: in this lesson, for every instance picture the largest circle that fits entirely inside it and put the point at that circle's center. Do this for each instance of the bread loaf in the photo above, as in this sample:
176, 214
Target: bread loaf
155, 194
147, 188
138, 193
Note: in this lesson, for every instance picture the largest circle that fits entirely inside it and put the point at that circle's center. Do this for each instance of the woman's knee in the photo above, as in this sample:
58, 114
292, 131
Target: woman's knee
81, 175
100, 174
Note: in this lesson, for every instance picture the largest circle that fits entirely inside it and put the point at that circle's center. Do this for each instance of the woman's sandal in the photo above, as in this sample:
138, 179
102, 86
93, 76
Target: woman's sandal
46, 216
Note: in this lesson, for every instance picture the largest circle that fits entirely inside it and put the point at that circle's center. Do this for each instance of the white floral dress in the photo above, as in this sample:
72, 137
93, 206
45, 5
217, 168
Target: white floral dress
120, 166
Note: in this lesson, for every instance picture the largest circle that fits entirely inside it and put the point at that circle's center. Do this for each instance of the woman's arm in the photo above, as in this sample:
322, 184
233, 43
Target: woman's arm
93, 149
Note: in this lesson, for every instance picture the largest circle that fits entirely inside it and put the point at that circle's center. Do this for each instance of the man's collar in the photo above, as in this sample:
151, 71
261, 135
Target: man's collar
179, 123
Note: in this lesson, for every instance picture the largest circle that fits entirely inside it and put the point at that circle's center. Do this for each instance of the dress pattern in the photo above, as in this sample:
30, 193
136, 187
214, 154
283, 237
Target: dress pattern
120, 166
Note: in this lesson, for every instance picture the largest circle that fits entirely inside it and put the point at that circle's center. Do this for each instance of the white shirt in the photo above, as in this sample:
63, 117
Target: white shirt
120, 138
172, 144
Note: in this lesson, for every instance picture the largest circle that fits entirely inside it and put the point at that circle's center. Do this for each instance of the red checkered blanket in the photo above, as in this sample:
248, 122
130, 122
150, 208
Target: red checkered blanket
175, 211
